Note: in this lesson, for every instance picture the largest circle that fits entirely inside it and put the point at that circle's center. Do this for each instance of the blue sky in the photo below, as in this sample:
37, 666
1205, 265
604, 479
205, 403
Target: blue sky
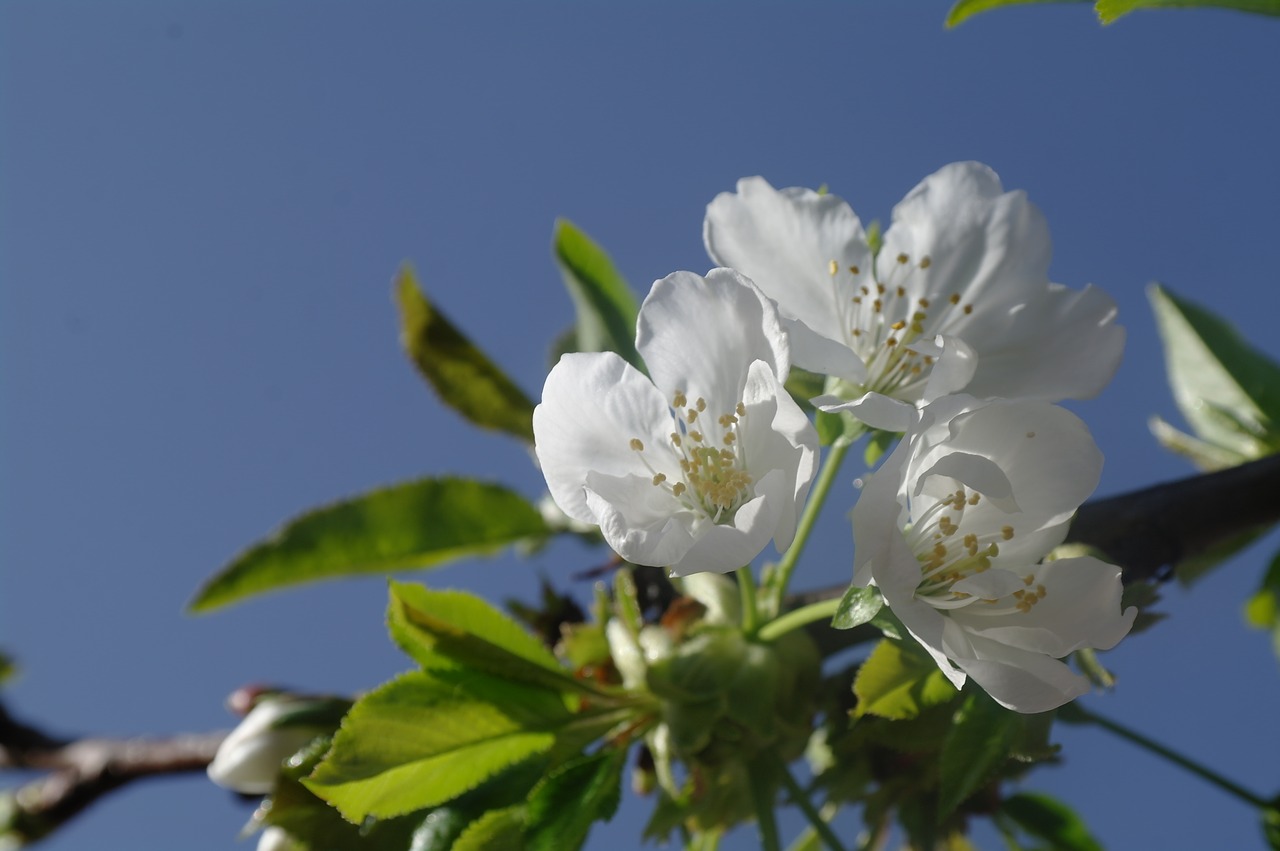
202, 205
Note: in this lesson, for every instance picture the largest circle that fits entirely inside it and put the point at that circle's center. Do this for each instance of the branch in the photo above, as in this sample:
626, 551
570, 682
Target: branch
82, 771
1149, 531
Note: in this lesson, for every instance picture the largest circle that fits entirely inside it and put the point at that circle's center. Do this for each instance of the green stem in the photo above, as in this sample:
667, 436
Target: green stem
796, 618
1079, 713
762, 796
817, 496
750, 608
801, 800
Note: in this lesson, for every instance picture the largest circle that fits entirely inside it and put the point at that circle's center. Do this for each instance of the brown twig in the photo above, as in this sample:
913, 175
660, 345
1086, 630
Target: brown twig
82, 771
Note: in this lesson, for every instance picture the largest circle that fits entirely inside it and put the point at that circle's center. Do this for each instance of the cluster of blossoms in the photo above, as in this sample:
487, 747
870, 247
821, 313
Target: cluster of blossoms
696, 466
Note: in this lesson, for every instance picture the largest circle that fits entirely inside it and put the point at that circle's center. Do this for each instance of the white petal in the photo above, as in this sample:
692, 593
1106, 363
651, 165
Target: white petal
1020, 679
1081, 608
700, 335
593, 404
726, 547
956, 366
785, 241
874, 409
644, 524
992, 584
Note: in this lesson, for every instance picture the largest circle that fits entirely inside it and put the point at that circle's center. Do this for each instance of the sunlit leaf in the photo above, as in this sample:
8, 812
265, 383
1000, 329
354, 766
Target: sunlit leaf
898, 681
426, 738
1049, 819
413, 525
461, 374
1227, 390
563, 807
605, 305
495, 829
857, 606
965, 9
978, 743
1109, 10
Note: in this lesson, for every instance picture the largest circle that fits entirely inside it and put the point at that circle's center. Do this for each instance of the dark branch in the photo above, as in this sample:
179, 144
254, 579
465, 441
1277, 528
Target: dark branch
82, 771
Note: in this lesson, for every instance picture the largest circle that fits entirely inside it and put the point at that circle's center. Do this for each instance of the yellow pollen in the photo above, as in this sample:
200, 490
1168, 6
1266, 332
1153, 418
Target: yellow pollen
891, 342
902, 258
973, 498
1041, 591
680, 400
880, 288
954, 298
729, 438
925, 262
675, 439
678, 488
637, 444
928, 360
691, 415
701, 404
924, 302
695, 436
1006, 532
876, 305
857, 332
857, 299
741, 410
899, 325
1028, 579
659, 478
901, 291
968, 308
1031, 434
853, 270
833, 267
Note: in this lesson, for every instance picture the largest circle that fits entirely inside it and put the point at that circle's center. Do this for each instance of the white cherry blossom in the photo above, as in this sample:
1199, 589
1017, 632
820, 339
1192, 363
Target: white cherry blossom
700, 466
958, 297
954, 528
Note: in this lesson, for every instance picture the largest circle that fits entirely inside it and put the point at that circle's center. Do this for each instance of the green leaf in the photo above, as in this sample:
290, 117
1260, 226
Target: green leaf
1110, 10
426, 738
453, 629
878, 444
965, 9
495, 829
1263, 609
564, 806
1227, 390
897, 681
7, 667
412, 525
461, 374
978, 743
857, 606
1051, 820
605, 305
804, 385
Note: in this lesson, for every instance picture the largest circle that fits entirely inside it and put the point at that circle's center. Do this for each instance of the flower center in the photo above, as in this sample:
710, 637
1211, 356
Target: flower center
881, 322
948, 553
713, 468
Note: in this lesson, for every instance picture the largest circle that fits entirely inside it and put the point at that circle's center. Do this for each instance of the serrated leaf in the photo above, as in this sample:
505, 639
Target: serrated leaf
898, 682
563, 807
1228, 391
1202, 453
454, 629
1110, 10
417, 524
427, 738
495, 829
605, 305
461, 374
1049, 819
857, 606
978, 743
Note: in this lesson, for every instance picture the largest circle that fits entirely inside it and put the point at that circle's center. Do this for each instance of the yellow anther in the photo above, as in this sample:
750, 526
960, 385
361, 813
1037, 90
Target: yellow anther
902, 258
701, 404
678, 488
1028, 579
968, 308
833, 267
880, 289
637, 444
924, 302
680, 400
695, 436
954, 298
1031, 434
729, 438
901, 291
891, 342
853, 270
659, 478
741, 410
691, 415
899, 325
1006, 532
675, 439
877, 305
973, 498
857, 332
925, 262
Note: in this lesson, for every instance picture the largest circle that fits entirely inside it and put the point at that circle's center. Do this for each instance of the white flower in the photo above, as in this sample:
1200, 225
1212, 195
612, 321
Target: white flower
958, 297
953, 529
276, 839
249, 759
700, 467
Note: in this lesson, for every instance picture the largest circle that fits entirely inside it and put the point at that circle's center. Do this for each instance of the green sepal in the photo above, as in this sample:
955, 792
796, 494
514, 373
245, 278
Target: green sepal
898, 681
1048, 819
981, 736
606, 307
419, 524
461, 374
563, 807
857, 606
426, 738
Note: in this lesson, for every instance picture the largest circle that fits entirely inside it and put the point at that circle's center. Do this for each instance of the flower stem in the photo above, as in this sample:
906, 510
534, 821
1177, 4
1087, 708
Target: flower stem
817, 496
1077, 713
801, 800
796, 618
750, 608
762, 796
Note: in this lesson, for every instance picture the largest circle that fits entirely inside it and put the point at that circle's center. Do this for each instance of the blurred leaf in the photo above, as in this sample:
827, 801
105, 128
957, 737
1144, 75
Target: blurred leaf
426, 738
1271, 823
7, 667
453, 629
877, 445
965, 9
1263, 609
1203, 454
1144, 595
978, 743
1190, 569
461, 374
496, 829
412, 525
857, 606
803, 385
1110, 10
605, 305
1051, 820
564, 806
1227, 390
898, 681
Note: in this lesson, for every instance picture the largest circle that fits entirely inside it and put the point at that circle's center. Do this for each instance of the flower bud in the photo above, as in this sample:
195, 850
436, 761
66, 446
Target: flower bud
249, 759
